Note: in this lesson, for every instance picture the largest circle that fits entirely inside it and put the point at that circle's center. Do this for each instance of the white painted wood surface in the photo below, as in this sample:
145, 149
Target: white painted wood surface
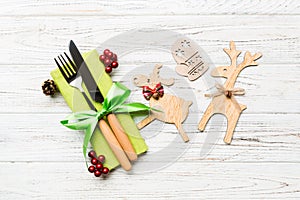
40, 159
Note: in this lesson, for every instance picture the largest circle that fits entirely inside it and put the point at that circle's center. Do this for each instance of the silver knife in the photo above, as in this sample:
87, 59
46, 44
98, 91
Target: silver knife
85, 73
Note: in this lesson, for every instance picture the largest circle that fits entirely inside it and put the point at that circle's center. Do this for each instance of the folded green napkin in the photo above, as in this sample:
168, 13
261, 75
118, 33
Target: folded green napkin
73, 96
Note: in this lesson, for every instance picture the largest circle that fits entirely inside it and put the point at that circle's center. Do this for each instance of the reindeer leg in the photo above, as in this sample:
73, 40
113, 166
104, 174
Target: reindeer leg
145, 121
181, 131
232, 119
207, 115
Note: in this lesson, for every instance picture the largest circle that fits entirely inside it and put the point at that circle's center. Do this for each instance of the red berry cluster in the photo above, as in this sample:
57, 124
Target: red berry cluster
109, 59
97, 167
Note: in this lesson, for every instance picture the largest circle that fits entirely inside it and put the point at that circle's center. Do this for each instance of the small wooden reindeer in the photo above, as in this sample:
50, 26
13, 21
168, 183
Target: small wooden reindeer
174, 109
224, 101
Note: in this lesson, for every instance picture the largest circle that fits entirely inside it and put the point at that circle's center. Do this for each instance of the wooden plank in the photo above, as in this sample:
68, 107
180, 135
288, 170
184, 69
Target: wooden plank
40, 159
143, 7
258, 138
193, 180
270, 82
37, 40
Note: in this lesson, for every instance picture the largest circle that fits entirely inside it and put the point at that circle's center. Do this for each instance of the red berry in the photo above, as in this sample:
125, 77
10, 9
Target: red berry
114, 64
99, 166
92, 154
101, 158
102, 58
94, 161
105, 170
107, 62
97, 173
91, 169
110, 55
106, 51
108, 69
114, 57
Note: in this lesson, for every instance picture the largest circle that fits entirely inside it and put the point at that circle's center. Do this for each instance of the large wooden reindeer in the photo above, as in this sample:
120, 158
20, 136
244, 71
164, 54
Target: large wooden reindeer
173, 109
224, 101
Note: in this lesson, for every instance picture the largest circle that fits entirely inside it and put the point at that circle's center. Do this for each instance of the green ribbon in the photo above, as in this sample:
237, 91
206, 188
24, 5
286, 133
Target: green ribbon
113, 103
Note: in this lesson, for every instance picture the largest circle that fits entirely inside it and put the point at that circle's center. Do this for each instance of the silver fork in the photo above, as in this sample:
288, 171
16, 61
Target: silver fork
69, 72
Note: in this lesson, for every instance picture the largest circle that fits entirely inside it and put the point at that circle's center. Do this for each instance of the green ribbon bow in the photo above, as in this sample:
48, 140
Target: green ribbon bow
113, 103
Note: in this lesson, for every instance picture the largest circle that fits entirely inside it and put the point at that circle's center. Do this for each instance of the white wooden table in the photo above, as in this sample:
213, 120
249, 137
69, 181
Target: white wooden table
40, 159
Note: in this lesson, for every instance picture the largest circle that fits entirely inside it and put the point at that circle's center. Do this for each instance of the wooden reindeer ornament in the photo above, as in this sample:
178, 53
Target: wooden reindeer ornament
189, 61
224, 101
174, 109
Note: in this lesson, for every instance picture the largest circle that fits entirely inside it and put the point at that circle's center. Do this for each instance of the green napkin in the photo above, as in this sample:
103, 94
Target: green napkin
72, 96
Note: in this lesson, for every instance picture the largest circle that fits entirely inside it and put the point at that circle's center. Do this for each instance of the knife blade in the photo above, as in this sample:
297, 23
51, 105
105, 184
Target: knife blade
85, 73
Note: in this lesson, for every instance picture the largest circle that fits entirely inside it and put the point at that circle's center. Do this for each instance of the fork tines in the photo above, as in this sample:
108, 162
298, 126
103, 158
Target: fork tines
68, 69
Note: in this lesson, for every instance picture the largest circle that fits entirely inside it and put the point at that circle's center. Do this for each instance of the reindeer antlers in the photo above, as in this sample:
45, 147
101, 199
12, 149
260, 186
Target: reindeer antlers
232, 53
250, 60
155, 78
152, 79
232, 71
235, 69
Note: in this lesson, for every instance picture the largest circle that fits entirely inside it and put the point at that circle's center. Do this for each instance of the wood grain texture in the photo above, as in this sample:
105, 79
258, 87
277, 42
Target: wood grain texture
171, 109
144, 7
188, 58
263, 159
36, 40
278, 36
278, 88
121, 137
174, 110
193, 180
223, 101
114, 144
258, 138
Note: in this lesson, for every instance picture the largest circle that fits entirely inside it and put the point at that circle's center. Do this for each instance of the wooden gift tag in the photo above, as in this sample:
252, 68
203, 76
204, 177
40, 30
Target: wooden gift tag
223, 101
174, 109
189, 61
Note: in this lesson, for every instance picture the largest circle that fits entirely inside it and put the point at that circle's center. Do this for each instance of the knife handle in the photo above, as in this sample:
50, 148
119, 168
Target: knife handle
114, 145
121, 136
92, 107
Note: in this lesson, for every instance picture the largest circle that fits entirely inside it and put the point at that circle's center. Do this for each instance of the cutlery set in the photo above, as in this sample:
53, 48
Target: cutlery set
77, 75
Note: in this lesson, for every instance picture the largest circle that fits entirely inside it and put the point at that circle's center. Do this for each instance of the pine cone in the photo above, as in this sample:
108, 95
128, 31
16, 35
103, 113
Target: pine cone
49, 87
